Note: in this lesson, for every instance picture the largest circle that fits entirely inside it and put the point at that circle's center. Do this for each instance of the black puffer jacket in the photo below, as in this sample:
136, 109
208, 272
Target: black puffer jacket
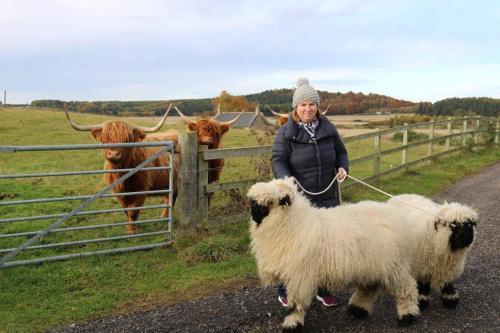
313, 163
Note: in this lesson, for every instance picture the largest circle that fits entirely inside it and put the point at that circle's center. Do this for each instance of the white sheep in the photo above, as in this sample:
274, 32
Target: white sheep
363, 245
443, 235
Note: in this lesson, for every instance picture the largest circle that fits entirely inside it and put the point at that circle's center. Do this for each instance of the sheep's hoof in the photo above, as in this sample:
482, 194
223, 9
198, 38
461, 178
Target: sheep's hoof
450, 303
295, 329
423, 304
407, 320
357, 311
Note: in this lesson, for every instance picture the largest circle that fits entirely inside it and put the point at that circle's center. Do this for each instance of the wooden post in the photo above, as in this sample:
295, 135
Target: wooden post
404, 152
188, 178
464, 136
376, 159
202, 185
448, 139
431, 136
497, 128
477, 134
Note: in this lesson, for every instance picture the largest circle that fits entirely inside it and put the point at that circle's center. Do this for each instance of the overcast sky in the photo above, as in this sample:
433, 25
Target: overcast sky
418, 50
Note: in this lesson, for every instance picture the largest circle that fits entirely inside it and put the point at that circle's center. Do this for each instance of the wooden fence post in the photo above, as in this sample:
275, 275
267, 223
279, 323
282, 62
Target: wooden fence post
477, 134
497, 128
464, 136
202, 185
431, 136
404, 152
376, 158
188, 178
448, 138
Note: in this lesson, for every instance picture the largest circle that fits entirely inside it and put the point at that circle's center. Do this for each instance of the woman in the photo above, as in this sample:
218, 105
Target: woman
309, 148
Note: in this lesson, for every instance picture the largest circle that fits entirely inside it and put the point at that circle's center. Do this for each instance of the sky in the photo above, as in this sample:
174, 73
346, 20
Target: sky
158, 50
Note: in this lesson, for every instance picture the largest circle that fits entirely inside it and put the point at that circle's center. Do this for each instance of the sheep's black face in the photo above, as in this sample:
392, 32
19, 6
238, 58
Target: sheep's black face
462, 235
259, 212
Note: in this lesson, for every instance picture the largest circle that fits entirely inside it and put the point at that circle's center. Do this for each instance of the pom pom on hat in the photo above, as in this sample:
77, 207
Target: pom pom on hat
304, 93
302, 82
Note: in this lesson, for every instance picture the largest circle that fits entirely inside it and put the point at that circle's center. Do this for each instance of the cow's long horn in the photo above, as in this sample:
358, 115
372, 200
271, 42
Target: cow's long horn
158, 126
184, 118
326, 110
79, 127
274, 112
230, 122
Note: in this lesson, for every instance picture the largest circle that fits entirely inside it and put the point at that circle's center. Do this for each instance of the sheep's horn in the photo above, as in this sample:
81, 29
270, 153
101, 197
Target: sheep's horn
77, 126
275, 113
158, 126
184, 118
326, 110
231, 122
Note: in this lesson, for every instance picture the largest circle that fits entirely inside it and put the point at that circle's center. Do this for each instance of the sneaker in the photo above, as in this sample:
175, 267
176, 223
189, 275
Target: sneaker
283, 300
327, 300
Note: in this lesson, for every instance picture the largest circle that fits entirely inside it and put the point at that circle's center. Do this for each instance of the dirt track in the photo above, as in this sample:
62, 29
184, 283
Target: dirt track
254, 309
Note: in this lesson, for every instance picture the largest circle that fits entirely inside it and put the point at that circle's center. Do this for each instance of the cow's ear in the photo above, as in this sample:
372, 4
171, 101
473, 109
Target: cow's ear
96, 133
285, 201
192, 126
139, 134
223, 129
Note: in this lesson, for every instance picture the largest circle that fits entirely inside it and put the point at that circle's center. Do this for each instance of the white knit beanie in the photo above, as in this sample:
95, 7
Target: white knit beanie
304, 93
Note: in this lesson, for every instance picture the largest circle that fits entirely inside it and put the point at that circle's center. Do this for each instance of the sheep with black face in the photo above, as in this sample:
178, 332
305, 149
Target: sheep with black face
443, 235
359, 245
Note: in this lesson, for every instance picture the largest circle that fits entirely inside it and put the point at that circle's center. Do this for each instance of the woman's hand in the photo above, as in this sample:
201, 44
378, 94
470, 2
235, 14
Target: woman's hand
341, 174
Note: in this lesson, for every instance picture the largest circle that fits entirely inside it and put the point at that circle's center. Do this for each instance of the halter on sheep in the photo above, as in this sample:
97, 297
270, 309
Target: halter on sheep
442, 243
359, 245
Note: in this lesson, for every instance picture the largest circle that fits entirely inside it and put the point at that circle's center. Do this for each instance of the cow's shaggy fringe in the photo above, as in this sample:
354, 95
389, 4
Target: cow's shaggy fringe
443, 235
304, 247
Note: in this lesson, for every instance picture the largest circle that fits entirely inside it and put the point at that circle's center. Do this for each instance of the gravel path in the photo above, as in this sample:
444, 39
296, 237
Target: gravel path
254, 309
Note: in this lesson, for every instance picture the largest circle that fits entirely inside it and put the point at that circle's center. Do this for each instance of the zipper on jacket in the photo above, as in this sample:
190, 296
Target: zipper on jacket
318, 159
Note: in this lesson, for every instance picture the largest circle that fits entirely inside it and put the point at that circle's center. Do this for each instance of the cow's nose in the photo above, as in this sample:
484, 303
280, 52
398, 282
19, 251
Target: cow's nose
206, 139
113, 155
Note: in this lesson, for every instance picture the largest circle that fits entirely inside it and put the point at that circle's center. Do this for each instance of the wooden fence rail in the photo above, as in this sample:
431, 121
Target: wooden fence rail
193, 177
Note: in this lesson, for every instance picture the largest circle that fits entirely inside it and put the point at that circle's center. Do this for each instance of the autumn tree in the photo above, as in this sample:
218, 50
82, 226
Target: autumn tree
231, 103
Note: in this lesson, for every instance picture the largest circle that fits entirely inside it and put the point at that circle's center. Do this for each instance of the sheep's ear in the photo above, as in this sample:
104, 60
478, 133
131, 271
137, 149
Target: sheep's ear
285, 201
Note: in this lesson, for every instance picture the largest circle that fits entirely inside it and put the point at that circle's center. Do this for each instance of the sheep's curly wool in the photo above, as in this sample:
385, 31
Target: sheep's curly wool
443, 235
363, 245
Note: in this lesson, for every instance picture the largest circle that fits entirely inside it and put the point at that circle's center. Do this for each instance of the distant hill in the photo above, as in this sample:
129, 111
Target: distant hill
484, 106
278, 99
340, 103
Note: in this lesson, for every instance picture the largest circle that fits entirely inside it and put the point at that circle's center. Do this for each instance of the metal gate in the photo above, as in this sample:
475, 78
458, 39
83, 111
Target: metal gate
66, 231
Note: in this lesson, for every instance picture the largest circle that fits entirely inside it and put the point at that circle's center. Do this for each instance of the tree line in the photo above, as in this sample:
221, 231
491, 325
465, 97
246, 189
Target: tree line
482, 106
280, 101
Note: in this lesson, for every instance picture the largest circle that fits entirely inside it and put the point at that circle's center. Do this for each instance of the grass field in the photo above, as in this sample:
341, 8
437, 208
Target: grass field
34, 298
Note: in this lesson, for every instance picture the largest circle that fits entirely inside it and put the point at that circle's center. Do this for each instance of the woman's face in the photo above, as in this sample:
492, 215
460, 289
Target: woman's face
306, 111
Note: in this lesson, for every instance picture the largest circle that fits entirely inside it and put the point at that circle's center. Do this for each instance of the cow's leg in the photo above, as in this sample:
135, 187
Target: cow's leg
135, 201
424, 292
166, 201
449, 296
361, 302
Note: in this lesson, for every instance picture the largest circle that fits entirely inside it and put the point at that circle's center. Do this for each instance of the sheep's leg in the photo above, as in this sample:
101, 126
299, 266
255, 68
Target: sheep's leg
406, 295
361, 302
299, 295
424, 292
449, 296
